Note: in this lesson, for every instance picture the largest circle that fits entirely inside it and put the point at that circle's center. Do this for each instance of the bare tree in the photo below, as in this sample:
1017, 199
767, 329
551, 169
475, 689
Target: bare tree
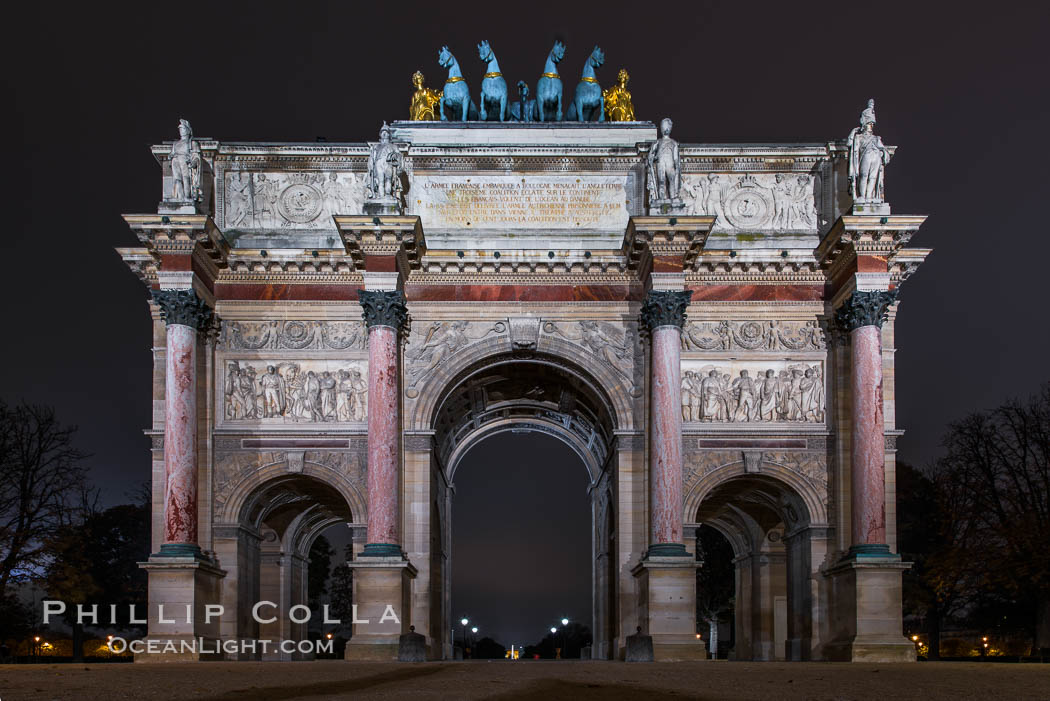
42, 483
997, 475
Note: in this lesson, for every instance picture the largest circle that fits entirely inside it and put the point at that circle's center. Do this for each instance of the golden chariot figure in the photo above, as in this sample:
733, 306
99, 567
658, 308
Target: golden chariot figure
618, 105
423, 100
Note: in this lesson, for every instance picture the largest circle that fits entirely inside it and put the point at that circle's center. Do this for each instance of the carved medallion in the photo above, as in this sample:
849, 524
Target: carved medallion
748, 206
300, 203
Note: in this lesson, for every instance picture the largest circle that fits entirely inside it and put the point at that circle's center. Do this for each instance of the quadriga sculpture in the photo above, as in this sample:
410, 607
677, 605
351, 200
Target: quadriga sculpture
549, 88
588, 104
456, 105
493, 102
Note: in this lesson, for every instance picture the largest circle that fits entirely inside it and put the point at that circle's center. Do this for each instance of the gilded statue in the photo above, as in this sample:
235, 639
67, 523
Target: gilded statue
423, 100
618, 104
867, 159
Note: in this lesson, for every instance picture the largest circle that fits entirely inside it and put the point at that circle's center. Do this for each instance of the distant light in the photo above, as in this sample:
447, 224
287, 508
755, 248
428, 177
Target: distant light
464, 621
329, 636
565, 621
697, 636
109, 637
554, 630
474, 629
914, 637
36, 638
985, 638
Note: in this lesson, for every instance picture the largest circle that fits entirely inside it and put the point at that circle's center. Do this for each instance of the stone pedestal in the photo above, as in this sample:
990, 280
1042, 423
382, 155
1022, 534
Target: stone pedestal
181, 585
380, 582
667, 607
384, 206
866, 621
667, 206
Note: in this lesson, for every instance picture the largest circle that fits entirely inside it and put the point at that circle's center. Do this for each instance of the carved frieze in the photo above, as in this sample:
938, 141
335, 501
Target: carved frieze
753, 336
755, 391
275, 200
293, 335
294, 391
753, 202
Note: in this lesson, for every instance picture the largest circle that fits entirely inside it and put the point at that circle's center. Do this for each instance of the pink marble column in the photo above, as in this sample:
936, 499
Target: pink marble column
666, 446
867, 451
180, 436
862, 315
184, 314
384, 313
383, 436
664, 314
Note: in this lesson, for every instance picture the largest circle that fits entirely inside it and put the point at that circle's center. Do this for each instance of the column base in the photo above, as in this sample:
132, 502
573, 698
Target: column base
183, 585
667, 606
866, 609
180, 550
382, 550
382, 596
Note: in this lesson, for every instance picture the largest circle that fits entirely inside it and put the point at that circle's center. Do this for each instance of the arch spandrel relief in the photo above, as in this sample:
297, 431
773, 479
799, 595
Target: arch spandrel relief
805, 471
238, 473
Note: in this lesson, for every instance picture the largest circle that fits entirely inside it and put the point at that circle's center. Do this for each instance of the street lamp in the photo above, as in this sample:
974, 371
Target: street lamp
564, 637
463, 621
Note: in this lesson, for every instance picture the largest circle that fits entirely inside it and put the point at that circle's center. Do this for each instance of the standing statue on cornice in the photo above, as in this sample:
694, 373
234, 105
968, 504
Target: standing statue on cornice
665, 172
618, 104
867, 159
423, 100
385, 168
185, 159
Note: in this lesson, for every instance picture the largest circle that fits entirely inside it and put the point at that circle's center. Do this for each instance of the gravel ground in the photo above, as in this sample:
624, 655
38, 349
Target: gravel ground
271, 681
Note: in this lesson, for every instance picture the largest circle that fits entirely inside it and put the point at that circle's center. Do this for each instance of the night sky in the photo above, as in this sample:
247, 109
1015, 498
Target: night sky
88, 89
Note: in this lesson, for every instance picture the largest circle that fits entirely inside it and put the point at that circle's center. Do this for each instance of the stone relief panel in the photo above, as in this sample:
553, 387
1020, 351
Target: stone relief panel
432, 343
263, 392
753, 391
759, 202
234, 466
304, 200
293, 335
612, 344
753, 335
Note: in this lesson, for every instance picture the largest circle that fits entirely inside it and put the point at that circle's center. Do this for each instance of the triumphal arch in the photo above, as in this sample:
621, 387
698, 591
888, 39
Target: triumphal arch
708, 326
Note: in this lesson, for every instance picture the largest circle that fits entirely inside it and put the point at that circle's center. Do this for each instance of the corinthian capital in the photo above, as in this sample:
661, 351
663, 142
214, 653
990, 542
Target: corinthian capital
665, 308
867, 308
383, 308
182, 307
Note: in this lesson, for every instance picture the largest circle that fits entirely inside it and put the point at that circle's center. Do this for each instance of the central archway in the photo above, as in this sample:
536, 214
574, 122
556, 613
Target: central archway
535, 393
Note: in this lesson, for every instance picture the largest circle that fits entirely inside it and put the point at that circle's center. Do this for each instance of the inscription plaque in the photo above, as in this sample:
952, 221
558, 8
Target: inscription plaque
515, 202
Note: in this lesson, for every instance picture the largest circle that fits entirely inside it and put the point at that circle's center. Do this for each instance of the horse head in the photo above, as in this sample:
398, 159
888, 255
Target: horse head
558, 52
485, 51
445, 58
597, 57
